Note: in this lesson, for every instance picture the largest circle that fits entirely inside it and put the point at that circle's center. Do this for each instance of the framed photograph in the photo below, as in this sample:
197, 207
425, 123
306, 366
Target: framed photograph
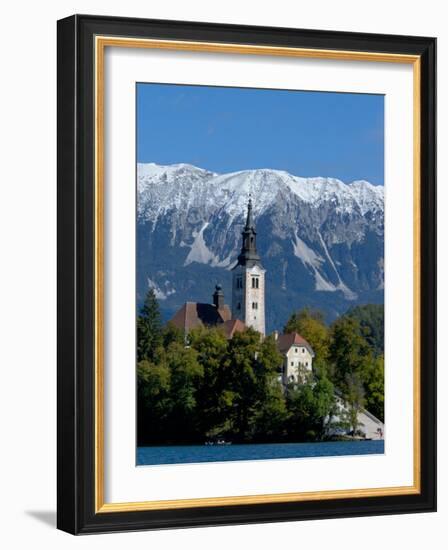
246, 274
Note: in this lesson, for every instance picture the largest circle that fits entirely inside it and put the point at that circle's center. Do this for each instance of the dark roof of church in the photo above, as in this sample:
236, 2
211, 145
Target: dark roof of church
194, 314
286, 341
231, 326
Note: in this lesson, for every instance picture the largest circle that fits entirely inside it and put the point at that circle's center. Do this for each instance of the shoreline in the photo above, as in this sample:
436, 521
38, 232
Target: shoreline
190, 454
284, 443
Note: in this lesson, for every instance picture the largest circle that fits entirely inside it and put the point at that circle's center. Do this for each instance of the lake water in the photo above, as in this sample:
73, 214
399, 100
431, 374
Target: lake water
221, 453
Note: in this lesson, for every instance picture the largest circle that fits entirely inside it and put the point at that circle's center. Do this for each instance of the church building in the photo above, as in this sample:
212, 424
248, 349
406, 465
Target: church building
248, 289
248, 280
248, 308
194, 314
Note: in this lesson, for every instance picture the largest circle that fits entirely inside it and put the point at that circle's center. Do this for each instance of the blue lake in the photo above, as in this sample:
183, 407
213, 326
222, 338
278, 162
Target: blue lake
174, 454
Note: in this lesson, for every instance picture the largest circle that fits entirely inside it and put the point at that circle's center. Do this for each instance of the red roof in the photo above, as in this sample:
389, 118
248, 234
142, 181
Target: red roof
286, 341
231, 326
194, 314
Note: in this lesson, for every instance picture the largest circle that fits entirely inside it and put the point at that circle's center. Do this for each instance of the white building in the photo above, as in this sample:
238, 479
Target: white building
248, 280
297, 357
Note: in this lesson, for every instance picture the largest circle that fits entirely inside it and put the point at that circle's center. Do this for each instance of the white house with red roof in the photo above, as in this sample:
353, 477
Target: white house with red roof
297, 355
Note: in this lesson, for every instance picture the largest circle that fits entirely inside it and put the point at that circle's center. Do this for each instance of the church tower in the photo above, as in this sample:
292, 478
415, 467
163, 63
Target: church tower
248, 280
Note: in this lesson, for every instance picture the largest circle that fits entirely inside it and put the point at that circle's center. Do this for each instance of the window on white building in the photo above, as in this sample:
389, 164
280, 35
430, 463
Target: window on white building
255, 282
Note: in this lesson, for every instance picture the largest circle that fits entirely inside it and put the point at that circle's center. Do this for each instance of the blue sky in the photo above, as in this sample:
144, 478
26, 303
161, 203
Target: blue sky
228, 129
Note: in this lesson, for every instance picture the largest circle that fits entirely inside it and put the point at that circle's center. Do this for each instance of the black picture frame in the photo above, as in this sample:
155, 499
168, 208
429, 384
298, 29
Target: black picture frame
76, 286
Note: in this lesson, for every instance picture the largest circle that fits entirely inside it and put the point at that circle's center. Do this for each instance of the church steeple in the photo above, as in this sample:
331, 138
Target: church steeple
249, 219
249, 256
248, 279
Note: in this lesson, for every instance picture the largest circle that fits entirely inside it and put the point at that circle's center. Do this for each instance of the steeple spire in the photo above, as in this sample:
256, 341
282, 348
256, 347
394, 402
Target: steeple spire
249, 219
248, 279
249, 255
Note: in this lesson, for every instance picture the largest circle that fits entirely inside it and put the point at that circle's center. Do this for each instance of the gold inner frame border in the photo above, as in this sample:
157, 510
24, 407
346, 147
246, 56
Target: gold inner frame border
100, 44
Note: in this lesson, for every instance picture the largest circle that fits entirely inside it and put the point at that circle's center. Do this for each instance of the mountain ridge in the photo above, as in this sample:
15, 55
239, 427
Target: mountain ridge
320, 239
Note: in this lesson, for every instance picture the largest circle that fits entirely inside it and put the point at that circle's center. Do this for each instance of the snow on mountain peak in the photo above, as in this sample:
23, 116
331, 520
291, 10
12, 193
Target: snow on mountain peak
182, 186
316, 235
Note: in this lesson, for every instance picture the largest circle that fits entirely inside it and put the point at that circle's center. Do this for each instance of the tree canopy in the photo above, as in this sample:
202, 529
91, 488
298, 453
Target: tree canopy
201, 386
149, 328
371, 322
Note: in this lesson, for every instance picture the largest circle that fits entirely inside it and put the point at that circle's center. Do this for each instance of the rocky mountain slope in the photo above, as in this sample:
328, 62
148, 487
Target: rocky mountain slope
320, 240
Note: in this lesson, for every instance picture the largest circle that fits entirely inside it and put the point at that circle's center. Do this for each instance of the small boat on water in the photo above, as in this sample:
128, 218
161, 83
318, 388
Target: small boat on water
218, 442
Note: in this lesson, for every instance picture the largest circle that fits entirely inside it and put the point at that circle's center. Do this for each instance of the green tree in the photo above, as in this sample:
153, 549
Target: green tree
349, 352
371, 322
268, 421
374, 387
185, 377
358, 373
242, 380
310, 406
299, 402
324, 404
354, 398
153, 399
215, 398
149, 328
170, 333
190, 390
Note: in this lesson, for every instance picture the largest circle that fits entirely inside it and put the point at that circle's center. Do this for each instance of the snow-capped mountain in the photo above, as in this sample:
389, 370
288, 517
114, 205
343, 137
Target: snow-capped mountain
321, 240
